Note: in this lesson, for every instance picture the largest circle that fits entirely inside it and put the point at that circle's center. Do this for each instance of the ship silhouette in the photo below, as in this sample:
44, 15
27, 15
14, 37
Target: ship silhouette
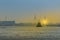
38, 24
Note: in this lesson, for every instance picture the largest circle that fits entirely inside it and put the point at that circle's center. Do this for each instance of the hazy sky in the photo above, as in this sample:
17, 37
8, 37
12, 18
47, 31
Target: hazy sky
24, 10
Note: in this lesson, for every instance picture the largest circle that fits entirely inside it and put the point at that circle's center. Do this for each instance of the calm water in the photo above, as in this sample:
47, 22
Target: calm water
29, 33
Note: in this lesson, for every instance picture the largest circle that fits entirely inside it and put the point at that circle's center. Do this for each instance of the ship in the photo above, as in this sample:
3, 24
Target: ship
38, 24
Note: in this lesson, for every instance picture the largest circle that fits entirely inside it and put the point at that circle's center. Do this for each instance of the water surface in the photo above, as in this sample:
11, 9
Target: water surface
29, 33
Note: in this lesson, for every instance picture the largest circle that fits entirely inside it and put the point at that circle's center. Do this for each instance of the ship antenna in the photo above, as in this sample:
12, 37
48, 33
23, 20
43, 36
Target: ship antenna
5, 18
35, 17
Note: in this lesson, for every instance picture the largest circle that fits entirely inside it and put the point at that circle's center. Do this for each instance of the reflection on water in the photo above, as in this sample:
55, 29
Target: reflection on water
34, 33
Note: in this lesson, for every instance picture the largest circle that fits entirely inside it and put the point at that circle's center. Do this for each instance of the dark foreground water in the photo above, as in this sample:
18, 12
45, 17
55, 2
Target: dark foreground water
29, 33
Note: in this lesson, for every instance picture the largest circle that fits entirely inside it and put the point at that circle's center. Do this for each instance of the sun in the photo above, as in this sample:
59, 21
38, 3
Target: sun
44, 22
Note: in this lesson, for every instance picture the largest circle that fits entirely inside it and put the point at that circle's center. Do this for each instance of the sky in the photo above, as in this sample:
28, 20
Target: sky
24, 10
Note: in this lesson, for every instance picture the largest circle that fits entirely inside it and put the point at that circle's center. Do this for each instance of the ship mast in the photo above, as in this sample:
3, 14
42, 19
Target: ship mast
6, 18
34, 19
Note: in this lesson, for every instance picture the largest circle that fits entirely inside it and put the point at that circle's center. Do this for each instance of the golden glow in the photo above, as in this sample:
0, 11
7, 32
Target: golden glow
44, 22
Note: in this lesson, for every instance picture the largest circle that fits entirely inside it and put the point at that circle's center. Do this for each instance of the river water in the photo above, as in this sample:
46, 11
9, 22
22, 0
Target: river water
29, 33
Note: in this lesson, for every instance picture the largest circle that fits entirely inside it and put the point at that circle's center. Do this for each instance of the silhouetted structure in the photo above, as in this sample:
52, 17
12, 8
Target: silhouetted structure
39, 25
7, 23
